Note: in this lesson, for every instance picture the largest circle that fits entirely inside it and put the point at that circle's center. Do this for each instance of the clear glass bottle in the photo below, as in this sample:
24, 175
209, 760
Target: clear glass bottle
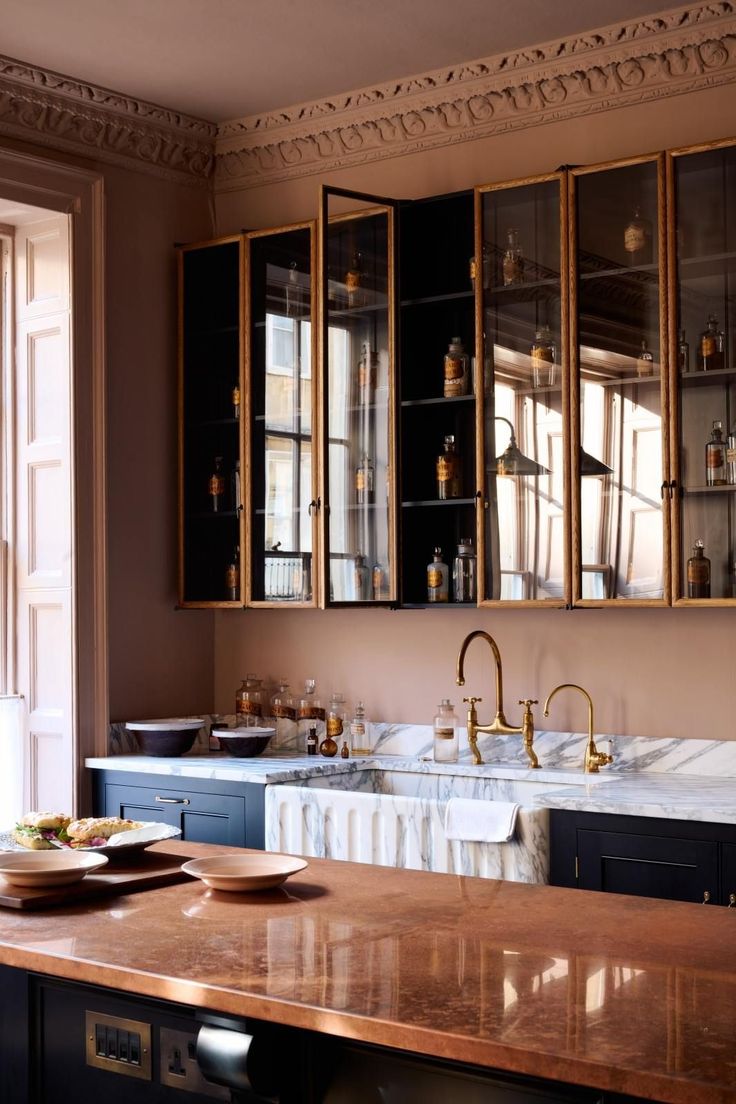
364, 481
310, 714
367, 366
638, 239
235, 400
544, 358
445, 733
438, 589
217, 486
338, 713
362, 578
456, 369
644, 361
378, 582
283, 711
512, 265
731, 456
683, 354
486, 259
711, 347
464, 587
353, 280
249, 702
448, 470
715, 457
232, 576
360, 727
698, 572
293, 292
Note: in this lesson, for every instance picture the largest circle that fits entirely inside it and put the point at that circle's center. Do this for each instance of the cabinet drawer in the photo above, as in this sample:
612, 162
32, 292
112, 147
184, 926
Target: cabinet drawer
202, 817
648, 866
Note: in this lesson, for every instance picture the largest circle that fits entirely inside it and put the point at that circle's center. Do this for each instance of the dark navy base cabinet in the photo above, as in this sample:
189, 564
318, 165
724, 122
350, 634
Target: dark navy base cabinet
674, 860
206, 810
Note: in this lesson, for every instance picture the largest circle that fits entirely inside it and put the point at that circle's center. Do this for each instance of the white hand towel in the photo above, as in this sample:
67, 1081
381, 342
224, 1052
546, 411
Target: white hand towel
480, 821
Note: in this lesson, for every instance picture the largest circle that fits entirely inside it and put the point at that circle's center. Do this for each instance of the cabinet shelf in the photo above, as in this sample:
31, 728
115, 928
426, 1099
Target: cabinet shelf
654, 378
438, 502
450, 297
356, 312
703, 379
724, 488
524, 285
438, 400
619, 271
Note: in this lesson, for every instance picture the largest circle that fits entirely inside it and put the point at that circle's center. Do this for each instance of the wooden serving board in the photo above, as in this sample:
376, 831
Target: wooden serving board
146, 870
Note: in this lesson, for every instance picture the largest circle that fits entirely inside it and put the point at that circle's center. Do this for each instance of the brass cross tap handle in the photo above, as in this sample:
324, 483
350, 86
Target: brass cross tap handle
472, 701
528, 701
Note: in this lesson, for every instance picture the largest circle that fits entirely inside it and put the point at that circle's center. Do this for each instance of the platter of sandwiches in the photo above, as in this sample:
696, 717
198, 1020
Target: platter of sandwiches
46, 831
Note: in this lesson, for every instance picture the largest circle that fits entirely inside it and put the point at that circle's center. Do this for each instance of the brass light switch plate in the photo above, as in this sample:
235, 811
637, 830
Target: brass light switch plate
118, 1045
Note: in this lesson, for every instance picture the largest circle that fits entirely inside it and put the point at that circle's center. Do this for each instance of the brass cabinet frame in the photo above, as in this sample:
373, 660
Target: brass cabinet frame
480, 396
246, 444
678, 599
181, 250
574, 373
377, 206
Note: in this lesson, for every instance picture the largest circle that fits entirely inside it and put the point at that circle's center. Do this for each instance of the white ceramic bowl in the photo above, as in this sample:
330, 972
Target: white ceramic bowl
48, 868
244, 873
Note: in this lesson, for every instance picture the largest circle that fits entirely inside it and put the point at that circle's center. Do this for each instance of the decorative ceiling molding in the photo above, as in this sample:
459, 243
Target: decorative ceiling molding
64, 113
674, 52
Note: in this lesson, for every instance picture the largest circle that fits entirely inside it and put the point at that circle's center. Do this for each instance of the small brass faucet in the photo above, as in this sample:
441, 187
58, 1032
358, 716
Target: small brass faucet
593, 757
499, 725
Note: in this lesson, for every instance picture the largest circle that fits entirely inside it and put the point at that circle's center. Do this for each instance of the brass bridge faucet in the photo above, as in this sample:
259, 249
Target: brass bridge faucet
499, 725
593, 757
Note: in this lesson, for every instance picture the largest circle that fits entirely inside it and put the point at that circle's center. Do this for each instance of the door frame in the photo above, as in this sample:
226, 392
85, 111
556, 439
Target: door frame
78, 192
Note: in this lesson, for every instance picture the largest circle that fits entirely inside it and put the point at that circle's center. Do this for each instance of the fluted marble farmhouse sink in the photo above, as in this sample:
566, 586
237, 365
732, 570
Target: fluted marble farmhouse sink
394, 816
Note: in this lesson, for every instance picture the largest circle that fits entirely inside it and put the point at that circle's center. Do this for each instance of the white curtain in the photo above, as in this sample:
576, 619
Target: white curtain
12, 725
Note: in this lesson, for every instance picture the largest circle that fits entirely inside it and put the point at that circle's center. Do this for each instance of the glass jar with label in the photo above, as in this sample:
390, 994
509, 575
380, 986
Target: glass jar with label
249, 702
364, 481
217, 486
353, 278
448, 470
698, 572
283, 711
638, 239
235, 399
644, 362
438, 589
310, 714
683, 353
336, 716
232, 576
711, 347
464, 587
544, 358
360, 742
512, 265
445, 733
362, 578
715, 457
456, 370
731, 456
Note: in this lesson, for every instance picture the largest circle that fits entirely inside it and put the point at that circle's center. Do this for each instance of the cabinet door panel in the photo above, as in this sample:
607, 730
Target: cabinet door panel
202, 818
648, 866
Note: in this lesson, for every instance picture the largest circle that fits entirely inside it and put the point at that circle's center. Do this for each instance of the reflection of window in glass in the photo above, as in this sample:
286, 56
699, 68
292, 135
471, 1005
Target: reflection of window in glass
339, 353
593, 431
288, 409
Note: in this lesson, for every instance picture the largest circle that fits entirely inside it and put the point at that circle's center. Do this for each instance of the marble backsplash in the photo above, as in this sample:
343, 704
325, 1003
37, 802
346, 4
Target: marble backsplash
561, 750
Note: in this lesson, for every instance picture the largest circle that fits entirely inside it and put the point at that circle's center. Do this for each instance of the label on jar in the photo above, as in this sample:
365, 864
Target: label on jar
444, 733
334, 726
454, 367
217, 485
352, 280
708, 345
543, 352
473, 268
251, 708
635, 237
444, 470
236, 395
360, 480
288, 712
513, 270
311, 713
357, 730
434, 577
714, 458
232, 577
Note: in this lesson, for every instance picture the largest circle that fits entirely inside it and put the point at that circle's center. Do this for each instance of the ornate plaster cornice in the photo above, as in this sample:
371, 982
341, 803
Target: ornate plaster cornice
63, 113
674, 52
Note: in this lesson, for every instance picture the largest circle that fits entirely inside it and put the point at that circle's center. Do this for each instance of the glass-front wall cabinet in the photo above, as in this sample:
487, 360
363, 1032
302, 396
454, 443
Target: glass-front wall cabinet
210, 388
702, 325
619, 428
519, 273
358, 333
281, 498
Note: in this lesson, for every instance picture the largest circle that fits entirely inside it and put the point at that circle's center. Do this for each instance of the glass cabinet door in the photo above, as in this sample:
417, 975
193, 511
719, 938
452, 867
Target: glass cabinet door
358, 312
521, 391
618, 401
210, 378
281, 494
702, 190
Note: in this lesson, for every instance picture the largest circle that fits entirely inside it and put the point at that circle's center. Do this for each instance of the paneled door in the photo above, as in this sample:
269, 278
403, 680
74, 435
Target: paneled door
44, 559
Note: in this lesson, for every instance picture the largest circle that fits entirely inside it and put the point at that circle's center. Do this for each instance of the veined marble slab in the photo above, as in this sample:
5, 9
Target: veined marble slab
674, 797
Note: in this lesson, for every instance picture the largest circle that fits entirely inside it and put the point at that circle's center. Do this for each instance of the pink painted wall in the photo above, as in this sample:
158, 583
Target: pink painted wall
652, 672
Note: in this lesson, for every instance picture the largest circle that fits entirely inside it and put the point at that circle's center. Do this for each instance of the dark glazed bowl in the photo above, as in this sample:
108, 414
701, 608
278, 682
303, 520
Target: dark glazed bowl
165, 738
244, 743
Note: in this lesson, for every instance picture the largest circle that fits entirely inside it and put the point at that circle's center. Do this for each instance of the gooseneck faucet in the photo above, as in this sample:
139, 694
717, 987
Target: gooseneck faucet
499, 726
593, 757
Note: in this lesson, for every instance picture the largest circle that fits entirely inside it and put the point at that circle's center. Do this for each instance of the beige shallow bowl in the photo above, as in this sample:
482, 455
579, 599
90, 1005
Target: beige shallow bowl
48, 868
244, 873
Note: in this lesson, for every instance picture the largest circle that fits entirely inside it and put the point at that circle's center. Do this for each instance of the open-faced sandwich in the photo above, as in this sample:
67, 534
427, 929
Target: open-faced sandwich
41, 831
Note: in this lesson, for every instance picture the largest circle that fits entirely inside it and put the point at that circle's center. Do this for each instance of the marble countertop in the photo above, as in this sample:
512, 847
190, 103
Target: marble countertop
670, 796
644, 1003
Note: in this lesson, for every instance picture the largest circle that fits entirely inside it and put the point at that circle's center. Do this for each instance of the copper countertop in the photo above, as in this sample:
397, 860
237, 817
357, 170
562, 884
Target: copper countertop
629, 994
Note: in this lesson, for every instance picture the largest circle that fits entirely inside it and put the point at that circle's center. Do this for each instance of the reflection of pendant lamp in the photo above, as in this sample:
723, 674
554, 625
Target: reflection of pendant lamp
591, 465
512, 460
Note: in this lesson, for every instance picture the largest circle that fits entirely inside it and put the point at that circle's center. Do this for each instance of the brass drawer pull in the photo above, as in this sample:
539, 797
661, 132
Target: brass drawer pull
706, 897
172, 800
